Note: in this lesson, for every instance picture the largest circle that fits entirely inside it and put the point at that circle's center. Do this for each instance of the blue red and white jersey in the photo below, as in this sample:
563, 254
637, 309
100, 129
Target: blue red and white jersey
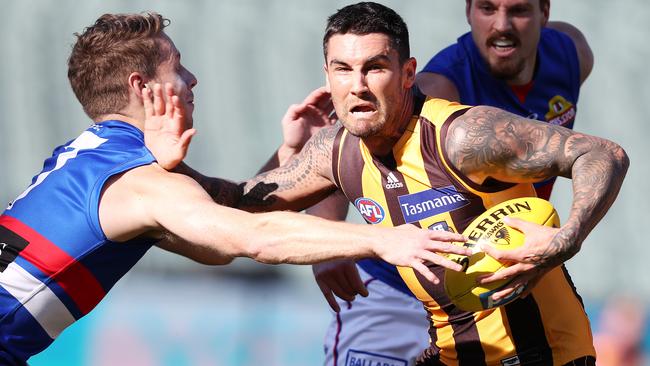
552, 97
56, 264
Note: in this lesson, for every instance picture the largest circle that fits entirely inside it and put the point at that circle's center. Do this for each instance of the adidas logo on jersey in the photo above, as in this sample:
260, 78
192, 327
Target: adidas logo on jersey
393, 182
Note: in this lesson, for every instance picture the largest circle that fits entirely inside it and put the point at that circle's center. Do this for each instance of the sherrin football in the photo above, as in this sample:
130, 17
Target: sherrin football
461, 287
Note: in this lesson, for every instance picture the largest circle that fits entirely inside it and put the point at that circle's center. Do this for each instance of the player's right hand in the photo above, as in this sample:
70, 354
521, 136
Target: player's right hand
340, 278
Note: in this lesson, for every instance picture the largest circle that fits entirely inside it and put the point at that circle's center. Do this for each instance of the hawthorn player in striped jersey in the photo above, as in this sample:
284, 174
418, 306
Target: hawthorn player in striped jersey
452, 161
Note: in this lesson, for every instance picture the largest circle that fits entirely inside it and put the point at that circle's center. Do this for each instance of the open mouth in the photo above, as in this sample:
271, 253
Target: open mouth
363, 110
503, 45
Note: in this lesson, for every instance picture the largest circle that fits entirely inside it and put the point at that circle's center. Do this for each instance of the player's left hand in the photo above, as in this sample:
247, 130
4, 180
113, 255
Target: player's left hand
301, 121
165, 133
540, 253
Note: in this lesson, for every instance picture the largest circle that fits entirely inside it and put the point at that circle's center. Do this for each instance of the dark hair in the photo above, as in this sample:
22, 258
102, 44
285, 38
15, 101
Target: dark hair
368, 17
108, 51
542, 3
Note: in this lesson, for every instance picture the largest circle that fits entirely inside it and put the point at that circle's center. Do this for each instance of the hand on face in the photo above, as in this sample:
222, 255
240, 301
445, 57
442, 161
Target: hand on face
165, 134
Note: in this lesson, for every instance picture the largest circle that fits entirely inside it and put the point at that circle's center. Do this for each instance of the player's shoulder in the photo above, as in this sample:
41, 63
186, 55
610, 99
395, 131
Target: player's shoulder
438, 110
153, 175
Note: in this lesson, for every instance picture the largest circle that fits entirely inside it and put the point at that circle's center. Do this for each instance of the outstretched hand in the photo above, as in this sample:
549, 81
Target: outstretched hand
420, 248
165, 133
301, 121
540, 253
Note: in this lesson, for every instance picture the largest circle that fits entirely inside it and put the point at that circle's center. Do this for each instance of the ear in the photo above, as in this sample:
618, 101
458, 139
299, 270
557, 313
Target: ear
546, 11
136, 83
327, 79
468, 9
408, 72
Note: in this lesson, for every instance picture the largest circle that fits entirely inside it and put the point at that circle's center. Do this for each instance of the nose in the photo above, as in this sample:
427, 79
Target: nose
502, 21
359, 84
191, 79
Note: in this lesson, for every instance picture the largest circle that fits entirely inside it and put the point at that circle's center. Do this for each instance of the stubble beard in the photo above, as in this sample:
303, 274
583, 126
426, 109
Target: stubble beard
507, 70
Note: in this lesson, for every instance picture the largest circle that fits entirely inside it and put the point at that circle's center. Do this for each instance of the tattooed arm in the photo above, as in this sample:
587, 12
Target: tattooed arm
488, 143
303, 181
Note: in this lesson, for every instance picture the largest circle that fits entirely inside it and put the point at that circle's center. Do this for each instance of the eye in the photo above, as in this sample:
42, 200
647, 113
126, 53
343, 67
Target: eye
375, 67
519, 11
486, 8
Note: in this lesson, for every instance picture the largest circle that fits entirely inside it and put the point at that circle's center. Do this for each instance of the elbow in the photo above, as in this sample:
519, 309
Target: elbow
621, 159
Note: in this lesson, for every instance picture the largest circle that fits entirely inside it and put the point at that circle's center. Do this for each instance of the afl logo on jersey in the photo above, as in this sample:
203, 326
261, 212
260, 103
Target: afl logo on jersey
370, 210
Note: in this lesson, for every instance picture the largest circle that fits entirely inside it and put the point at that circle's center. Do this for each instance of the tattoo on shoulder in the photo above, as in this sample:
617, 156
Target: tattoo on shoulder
493, 142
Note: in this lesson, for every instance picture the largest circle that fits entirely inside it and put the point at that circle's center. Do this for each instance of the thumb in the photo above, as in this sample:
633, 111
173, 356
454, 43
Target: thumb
186, 138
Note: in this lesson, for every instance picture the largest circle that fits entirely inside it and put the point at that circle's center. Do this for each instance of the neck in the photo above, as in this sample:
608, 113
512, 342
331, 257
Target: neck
382, 143
526, 75
121, 117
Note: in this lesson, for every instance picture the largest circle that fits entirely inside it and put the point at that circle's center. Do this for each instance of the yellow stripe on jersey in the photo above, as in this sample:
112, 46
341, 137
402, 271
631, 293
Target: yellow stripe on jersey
372, 187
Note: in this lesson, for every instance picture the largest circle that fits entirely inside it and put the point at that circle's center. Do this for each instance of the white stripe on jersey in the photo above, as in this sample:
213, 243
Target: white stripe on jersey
37, 298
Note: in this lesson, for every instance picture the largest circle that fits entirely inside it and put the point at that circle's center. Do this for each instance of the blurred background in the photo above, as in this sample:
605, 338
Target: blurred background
252, 59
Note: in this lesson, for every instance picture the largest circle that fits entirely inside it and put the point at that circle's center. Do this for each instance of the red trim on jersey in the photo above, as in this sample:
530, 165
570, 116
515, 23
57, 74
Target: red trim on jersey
75, 279
544, 191
521, 91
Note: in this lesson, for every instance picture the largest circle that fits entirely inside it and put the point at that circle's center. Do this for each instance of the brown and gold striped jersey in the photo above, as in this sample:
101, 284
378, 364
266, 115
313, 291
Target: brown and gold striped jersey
417, 185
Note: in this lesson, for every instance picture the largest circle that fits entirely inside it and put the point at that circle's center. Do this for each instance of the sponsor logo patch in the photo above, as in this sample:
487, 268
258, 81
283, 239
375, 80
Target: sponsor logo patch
393, 182
361, 358
560, 111
370, 210
441, 226
418, 206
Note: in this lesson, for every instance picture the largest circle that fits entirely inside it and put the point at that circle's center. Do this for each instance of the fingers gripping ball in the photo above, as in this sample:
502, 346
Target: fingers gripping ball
461, 287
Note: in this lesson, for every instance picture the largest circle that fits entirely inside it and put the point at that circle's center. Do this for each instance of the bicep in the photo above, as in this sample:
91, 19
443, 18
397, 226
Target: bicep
488, 142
